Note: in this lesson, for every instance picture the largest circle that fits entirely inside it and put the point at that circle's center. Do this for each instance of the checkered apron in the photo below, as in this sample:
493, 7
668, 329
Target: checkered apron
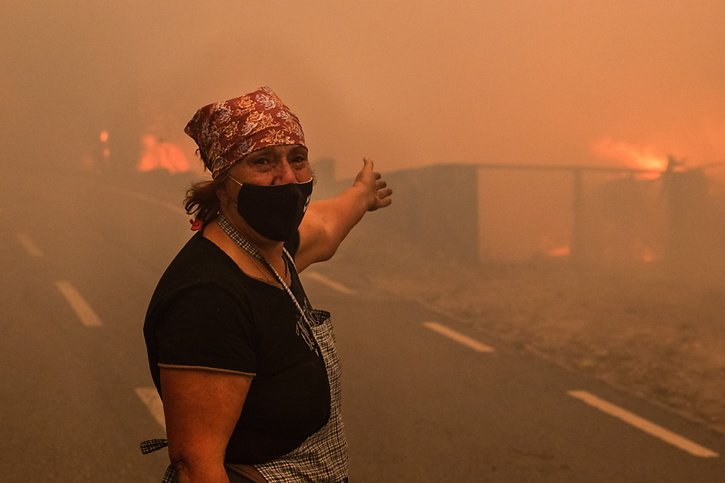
323, 456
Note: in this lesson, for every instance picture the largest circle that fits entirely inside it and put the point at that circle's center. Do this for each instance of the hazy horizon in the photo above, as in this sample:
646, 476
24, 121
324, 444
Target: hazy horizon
405, 83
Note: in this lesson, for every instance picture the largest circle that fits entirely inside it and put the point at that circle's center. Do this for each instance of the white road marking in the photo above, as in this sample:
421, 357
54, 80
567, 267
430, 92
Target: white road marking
458, 337
644, 425
151, 399
29, 245
82, 309
334, 285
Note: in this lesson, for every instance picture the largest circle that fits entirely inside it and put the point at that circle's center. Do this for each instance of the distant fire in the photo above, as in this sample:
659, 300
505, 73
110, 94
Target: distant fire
560, 251
646, 254
635, 157
163, 155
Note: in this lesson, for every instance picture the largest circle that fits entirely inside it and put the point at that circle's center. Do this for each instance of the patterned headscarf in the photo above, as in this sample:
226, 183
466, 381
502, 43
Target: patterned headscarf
227, 131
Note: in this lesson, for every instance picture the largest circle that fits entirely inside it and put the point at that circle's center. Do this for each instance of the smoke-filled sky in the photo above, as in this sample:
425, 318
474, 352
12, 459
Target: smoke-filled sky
405, 82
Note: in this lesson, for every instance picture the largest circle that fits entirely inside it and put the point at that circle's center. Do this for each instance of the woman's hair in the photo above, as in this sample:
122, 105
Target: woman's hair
201, 199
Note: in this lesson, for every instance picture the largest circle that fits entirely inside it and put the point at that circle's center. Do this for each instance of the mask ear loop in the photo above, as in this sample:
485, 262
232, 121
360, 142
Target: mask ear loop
236, 205
233, 179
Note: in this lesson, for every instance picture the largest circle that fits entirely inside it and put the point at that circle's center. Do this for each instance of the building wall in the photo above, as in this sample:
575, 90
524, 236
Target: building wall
509, 214
434, 210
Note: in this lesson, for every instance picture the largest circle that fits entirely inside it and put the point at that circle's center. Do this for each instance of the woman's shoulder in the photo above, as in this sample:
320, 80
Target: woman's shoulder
199, 263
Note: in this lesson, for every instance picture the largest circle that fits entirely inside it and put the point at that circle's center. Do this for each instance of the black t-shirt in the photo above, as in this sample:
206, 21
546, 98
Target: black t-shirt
207, 313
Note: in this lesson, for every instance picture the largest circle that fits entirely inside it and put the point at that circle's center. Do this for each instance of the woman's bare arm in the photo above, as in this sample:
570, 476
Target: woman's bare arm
327, 222
201, 409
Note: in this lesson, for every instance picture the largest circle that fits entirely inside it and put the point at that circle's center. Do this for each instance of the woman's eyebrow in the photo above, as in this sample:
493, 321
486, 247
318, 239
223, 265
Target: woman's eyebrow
262, 152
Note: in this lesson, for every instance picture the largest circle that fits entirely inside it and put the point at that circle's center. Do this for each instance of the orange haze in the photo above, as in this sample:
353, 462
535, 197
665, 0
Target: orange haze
406, 83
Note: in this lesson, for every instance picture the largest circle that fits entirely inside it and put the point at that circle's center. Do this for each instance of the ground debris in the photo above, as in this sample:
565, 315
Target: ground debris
642, 329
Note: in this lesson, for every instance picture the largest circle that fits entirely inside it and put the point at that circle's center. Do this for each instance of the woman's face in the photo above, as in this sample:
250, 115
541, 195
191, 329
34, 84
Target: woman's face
273, 165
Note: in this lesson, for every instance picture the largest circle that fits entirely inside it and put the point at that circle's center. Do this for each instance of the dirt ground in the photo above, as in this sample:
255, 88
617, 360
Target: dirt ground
650, 331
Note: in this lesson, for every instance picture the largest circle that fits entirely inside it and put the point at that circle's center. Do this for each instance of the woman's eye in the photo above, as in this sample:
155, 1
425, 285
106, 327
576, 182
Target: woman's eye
261, 161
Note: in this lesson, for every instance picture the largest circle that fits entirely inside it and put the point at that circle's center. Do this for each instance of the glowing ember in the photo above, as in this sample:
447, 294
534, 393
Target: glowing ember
103, 136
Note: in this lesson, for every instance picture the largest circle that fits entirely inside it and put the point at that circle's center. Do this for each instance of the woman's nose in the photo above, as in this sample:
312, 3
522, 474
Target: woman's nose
286, 174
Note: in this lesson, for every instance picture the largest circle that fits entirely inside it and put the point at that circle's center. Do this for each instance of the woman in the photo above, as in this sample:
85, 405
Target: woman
247, 370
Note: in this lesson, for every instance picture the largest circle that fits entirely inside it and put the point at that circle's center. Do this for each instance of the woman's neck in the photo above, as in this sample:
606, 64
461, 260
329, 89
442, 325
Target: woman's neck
247, 260
269, 249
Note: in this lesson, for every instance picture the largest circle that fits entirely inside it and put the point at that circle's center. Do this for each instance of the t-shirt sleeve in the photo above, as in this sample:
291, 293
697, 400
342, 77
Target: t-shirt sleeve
206, 328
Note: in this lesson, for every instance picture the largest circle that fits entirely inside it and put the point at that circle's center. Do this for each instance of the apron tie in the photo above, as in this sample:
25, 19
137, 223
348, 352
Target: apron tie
151, 445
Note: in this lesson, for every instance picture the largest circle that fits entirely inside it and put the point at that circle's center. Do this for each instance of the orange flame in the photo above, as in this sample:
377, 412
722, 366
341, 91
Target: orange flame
635, 157
560, 251
163, 155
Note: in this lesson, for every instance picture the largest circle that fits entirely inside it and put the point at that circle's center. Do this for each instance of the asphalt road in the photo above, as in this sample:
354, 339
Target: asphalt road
80, 257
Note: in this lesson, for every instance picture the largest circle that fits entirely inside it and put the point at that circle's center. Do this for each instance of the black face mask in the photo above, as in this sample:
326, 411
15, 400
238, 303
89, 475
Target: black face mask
275, 212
